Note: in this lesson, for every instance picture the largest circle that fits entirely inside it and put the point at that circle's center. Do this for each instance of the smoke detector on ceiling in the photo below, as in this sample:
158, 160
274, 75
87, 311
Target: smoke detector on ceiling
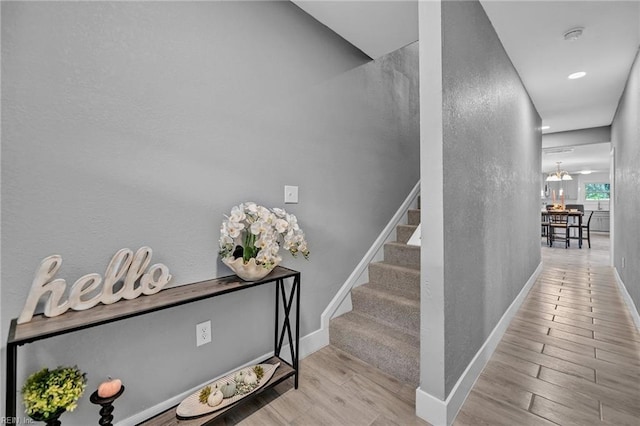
573, 34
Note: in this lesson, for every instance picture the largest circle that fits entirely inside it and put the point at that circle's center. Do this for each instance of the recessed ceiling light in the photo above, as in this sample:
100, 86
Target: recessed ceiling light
585, 172
545, 127
575, 75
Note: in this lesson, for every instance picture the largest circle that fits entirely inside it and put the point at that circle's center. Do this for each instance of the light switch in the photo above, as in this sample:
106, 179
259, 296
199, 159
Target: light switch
290, 194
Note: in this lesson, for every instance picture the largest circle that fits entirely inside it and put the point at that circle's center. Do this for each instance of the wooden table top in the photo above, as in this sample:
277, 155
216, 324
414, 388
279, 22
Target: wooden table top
569, 212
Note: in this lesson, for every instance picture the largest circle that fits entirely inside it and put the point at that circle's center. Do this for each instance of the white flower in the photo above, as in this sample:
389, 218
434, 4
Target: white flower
261, 232
293, 222
273, 248
263, 213
250, 207
262, 256
261, 243
234, 228
237, 214
281, 225
226, 240
259, 227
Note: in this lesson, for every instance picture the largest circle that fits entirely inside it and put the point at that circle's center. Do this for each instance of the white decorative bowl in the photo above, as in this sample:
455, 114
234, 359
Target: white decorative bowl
249, 271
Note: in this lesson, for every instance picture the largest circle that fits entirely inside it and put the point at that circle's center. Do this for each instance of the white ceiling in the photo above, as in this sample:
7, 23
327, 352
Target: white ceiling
532, 35
375, 27
592, 157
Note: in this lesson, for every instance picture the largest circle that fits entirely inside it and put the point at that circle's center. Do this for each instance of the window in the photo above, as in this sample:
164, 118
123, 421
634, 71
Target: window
596, 191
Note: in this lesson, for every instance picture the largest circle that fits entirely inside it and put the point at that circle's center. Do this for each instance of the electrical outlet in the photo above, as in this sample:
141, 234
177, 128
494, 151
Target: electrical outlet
203, 333
623, 262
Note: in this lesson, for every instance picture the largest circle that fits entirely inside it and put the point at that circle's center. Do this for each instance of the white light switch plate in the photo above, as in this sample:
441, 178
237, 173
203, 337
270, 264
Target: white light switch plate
290, 194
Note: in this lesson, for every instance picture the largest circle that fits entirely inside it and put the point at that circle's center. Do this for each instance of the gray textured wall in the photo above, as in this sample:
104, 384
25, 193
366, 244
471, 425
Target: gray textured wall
130, 124
491, 153
577, 137
625, 138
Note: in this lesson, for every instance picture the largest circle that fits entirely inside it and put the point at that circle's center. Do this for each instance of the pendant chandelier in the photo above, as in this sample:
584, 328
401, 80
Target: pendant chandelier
558, 175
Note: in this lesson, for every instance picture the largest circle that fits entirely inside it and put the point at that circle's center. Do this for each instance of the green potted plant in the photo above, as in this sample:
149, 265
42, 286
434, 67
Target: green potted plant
49, 393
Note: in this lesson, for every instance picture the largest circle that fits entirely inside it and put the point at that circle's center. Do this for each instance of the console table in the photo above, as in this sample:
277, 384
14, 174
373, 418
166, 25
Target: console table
41, 327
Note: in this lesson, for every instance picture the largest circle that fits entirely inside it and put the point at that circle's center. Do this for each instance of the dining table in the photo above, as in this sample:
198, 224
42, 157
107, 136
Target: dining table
574, 216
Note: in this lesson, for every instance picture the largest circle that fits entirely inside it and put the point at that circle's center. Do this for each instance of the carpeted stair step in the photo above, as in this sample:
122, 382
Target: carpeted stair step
404, 232
402, 254
413, 217
387, 348
402, 280
384, 305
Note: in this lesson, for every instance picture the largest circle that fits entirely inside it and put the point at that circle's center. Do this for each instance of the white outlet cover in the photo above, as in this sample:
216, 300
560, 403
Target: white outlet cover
290, 194
203, 333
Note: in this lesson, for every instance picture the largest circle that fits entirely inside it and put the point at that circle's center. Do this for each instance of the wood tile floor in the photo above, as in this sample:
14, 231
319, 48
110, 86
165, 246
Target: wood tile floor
570, 357
334, 389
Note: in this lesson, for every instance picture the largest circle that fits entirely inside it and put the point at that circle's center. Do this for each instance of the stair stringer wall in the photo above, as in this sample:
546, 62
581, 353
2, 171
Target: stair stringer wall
341, 302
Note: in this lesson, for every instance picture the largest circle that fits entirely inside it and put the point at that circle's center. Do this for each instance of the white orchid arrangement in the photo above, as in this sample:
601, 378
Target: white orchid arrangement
253, 231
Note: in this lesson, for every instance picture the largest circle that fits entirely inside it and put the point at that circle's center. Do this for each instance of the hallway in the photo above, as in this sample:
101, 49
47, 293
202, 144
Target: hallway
571, 356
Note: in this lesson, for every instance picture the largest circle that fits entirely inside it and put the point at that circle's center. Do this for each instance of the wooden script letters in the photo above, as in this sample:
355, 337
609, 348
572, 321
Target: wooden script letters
124, 266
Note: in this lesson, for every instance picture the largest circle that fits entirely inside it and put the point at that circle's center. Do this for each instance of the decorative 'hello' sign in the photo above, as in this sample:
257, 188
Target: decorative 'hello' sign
124, 266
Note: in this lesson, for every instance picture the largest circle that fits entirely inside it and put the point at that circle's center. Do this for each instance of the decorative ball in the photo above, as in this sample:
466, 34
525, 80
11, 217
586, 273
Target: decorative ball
228, 389
109, 388
215, 398
239, 377
250, 378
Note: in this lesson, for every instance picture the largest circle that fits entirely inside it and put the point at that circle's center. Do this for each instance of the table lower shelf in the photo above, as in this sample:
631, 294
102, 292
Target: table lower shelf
168, 417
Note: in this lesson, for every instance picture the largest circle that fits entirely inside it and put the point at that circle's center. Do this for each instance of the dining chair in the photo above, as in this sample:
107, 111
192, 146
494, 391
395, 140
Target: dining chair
559, 228
544, 223
573, 220
588, 228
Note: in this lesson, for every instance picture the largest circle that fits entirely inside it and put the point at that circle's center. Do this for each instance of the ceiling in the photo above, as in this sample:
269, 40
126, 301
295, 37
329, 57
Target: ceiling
591, 157
532, 33
375, 27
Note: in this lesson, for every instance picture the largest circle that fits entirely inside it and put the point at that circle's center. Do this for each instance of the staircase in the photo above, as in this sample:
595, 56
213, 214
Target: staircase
383, 329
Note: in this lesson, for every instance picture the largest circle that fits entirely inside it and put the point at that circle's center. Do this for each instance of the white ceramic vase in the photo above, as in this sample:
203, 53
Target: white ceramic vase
249, 271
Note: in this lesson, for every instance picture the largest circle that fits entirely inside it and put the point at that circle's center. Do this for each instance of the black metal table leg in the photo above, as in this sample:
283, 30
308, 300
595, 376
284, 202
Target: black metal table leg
10, 407
287, 304
276, 348
296, 283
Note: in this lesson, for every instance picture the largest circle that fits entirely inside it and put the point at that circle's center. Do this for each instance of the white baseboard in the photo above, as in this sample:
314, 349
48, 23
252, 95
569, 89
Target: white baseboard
416, 237
165, 405
360, 273
430, 408
308, 344
345, 306
633, 310
318, 339
442, 413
